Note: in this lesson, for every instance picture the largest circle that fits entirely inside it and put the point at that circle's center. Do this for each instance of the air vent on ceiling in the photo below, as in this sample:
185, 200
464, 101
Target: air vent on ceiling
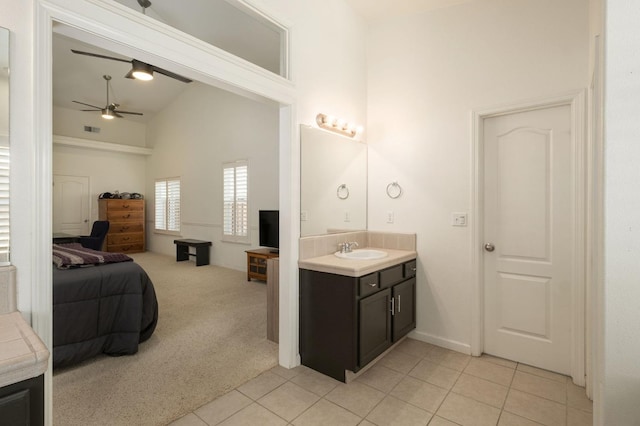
92, 129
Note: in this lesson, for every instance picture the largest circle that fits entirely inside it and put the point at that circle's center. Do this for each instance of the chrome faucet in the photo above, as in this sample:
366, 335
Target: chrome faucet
347, 247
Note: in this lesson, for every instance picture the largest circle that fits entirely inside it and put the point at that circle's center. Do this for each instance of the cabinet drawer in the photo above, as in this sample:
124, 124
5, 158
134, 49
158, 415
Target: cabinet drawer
124, 215
125, 238
124, 227
124, 205
126, 248
368, 284
410, 269
391, 276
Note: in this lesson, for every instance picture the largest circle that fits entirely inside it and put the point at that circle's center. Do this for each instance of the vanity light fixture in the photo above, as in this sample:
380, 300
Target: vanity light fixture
329, 122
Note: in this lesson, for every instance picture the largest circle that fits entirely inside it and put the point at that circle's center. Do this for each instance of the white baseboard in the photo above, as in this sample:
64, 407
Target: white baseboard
442, 342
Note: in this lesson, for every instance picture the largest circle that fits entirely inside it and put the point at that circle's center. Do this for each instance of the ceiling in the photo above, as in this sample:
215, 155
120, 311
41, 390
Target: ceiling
80, 78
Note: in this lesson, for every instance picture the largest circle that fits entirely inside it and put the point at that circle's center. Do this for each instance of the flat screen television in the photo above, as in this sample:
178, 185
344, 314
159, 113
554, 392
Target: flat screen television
269, 226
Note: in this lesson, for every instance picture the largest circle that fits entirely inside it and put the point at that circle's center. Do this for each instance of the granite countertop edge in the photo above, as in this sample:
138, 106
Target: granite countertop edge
356, 268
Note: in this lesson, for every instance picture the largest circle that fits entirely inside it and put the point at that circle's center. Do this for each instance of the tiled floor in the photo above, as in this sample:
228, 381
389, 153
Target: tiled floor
415, 384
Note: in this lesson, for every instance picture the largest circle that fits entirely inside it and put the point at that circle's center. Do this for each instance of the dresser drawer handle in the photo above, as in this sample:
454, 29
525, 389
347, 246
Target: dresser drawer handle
125, 239
372, 284
124, 228
125, 206
127, 216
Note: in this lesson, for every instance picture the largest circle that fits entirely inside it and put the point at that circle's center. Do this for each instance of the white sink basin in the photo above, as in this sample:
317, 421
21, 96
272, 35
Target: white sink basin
364, 254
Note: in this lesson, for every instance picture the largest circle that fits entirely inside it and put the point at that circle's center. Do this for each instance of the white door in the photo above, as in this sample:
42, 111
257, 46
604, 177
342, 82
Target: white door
529, 224
71, 204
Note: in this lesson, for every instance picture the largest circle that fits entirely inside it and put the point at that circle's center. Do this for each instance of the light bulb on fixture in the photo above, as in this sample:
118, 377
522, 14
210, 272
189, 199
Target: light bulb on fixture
336, 125
107, 114
141, 71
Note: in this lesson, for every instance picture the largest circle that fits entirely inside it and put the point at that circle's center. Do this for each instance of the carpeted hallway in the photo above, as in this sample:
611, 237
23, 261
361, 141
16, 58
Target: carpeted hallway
210, 338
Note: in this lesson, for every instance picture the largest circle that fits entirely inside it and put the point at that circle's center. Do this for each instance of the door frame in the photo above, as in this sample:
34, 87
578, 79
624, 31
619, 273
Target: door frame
576, 100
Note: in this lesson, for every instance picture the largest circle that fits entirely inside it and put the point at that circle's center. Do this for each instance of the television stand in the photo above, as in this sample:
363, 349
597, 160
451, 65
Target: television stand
257, 262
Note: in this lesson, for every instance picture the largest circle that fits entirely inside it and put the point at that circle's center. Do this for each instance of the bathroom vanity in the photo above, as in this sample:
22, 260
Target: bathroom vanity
351, 311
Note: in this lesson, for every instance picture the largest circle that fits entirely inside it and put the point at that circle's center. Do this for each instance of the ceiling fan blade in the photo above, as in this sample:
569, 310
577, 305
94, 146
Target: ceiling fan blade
92, 106
171, 74
116, 114
90, 110
80, 52
128, 112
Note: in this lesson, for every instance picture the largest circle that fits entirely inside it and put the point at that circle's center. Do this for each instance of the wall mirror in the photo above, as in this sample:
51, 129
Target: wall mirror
4, 146
333, 187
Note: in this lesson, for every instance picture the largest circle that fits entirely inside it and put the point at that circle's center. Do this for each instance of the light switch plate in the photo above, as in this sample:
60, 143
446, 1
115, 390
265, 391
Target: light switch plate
390, 216
303, 215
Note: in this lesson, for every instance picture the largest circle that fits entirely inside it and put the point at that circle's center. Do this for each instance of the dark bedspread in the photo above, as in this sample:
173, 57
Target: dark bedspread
101, 309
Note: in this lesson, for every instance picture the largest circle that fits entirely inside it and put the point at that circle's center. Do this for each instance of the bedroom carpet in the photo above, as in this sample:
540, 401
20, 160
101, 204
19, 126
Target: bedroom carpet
210, 338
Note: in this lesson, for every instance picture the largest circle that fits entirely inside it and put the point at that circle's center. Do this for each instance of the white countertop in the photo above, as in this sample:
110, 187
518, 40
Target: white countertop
22, 353
356, 268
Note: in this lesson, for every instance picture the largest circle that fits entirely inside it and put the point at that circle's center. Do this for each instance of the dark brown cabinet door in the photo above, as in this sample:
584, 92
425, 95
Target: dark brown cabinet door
404, 317
375, 325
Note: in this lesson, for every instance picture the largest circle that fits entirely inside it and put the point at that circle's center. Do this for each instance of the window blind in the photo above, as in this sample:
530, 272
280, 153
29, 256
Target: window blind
167, 208
236, 201
4, 205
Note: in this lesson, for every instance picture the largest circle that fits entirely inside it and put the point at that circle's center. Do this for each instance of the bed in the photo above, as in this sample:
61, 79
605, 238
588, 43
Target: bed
102, 303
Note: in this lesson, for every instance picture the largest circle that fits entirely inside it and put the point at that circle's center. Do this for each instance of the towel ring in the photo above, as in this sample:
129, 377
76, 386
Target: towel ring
343, 191
394, 190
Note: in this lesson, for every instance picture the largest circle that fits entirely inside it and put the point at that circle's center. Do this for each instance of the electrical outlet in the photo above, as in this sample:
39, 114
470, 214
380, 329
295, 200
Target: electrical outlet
390, 216
303, 216
458, 219
347, 216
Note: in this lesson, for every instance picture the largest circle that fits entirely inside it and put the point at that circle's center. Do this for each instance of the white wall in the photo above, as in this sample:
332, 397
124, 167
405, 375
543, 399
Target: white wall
107, 171
191, 138
426, 73
69, 122
622, 221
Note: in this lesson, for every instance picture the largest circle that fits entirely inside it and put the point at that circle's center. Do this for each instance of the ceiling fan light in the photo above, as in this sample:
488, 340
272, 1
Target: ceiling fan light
107, 114
141, 71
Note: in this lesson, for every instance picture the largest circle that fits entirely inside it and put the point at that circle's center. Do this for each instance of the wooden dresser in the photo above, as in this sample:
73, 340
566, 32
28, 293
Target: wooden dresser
126, 224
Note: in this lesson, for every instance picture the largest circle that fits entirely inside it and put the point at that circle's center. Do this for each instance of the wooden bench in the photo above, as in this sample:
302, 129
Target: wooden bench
201, 254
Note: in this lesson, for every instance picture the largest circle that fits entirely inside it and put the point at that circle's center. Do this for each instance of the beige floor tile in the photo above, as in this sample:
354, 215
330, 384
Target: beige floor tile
325, 413
223, 407
366, 423
399, 361
315, 382
435, 374
500, 361
355, 397
543, 373
382, 378
510, 419
481, 390
392, 411
455, 360
188, 420
288, 373
534, 408
489, 371
414, 347
288, 401
253, 415
577, 417
539, 386
437, 354
421, 394
439, 421
467, 412
577, 398
260, 386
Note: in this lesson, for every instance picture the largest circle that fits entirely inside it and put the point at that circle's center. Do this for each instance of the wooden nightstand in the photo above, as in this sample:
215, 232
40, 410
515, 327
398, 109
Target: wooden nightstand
257, 263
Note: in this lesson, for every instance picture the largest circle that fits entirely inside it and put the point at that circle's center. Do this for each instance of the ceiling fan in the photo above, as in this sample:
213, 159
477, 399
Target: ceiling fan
139, 70
111, 110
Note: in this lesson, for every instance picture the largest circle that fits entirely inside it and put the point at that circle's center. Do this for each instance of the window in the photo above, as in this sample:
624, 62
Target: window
168, 205
4, 205
235, 225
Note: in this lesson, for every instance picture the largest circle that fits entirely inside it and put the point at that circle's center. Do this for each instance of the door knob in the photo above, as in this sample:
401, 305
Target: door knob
489, 247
